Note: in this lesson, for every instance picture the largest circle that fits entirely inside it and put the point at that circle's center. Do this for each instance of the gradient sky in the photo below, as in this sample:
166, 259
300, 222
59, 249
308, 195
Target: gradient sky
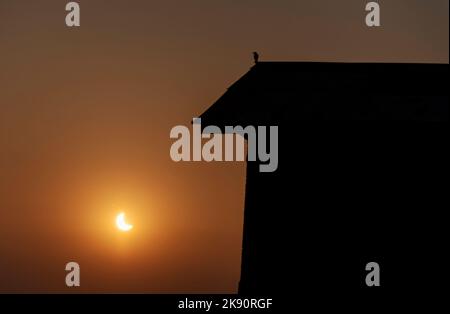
85, 116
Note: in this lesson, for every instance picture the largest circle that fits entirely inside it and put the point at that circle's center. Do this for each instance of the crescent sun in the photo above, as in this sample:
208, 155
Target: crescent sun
122, 224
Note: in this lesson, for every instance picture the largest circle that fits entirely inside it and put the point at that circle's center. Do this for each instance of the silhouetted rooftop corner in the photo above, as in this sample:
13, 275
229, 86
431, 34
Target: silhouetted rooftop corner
276, 91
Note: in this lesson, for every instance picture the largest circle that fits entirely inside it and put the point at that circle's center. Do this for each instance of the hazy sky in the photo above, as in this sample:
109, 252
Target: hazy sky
85, 116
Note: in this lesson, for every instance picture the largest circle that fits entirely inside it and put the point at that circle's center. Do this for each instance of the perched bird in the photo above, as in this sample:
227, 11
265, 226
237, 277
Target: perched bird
255, 57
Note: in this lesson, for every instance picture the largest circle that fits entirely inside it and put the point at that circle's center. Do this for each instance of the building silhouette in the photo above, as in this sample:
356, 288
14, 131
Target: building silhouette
362, 152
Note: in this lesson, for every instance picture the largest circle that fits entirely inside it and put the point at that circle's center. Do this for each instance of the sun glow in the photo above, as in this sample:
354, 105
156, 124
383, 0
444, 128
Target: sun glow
121, 224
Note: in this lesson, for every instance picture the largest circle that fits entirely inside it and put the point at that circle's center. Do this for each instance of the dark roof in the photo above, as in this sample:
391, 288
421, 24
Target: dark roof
273, 92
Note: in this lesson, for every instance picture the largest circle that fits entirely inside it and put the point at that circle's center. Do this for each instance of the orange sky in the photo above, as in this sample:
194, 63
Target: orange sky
85, 116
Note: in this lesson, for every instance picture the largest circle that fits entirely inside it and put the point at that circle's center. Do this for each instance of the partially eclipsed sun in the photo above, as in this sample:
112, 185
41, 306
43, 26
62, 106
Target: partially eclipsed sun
122, 224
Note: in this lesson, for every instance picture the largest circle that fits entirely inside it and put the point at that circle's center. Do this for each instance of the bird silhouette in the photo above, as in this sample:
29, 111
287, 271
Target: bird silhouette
255, 57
